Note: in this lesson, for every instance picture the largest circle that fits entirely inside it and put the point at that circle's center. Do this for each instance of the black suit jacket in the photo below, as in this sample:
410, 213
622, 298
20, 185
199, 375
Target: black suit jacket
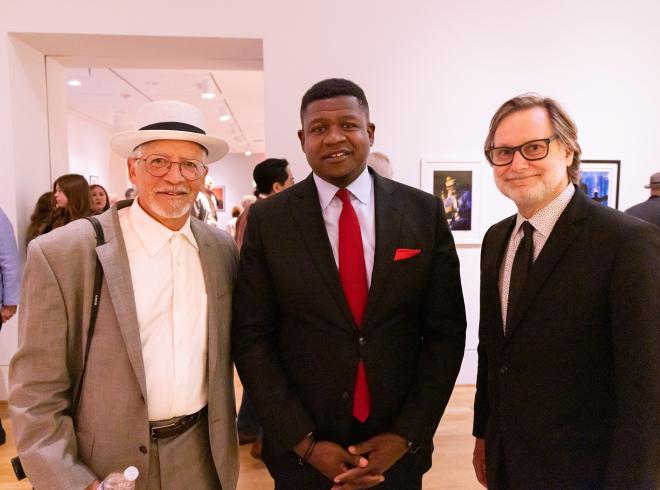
570, 397
297, 347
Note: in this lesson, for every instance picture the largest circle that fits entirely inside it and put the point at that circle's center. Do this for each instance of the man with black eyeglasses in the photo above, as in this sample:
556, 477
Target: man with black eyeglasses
568, 385
149, 383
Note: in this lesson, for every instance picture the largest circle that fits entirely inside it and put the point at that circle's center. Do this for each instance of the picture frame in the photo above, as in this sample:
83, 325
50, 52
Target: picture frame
599, 179
93, 179
219, 193
458, 185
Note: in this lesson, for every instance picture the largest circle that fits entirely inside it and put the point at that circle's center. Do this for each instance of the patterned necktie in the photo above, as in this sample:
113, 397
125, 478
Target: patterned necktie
522, 262
353, 275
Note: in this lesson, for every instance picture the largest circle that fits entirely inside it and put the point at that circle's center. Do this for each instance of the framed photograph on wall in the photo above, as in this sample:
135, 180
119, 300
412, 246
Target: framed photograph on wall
457, 185
599, 179
93, 179
219, 193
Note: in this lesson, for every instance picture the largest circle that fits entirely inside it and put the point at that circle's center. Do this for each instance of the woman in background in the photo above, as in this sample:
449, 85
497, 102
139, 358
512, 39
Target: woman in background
72, 201
100, 200
40, 216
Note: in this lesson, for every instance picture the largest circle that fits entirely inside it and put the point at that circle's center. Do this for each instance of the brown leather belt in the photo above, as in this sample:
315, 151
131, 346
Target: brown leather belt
159, 431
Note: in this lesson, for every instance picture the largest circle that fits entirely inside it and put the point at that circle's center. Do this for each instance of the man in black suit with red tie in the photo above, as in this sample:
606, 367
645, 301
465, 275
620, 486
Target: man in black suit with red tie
568, 385
349, 322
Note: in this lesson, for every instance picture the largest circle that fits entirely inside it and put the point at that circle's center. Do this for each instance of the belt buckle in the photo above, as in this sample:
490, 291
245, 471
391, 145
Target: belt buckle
154, 429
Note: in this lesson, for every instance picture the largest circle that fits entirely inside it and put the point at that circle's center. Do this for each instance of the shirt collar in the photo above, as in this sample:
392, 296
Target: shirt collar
152, 234
361, 188
545, 219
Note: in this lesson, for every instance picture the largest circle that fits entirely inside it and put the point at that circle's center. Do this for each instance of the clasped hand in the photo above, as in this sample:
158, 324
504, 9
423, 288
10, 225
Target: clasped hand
361, 465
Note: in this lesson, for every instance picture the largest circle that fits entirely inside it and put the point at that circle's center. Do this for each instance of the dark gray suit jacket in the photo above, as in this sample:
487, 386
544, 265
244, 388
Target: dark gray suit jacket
648, 210
297, 347
570, 397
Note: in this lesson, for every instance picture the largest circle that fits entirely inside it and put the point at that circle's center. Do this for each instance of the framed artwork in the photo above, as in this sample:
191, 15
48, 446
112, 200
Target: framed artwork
457, 185
599, 179
219, 193
93, 179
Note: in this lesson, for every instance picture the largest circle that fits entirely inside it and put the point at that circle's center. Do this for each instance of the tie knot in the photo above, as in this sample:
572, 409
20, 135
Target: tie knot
344, 196
528, 229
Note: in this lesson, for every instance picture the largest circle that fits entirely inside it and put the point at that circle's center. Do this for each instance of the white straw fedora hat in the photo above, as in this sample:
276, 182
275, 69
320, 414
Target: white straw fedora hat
168, 120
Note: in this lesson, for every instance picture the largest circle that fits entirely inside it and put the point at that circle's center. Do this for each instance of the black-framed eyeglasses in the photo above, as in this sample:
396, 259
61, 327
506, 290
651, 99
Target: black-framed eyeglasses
532, 150
159, 166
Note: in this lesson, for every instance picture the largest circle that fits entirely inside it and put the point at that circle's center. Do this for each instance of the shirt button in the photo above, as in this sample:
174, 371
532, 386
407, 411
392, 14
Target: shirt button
345, 395
362, 341
143, 449
503, 370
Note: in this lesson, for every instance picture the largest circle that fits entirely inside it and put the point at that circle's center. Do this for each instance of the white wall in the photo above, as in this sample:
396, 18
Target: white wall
434, 73
90, 154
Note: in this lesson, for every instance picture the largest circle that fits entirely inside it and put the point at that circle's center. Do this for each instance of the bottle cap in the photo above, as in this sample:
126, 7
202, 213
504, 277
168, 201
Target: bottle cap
131, 473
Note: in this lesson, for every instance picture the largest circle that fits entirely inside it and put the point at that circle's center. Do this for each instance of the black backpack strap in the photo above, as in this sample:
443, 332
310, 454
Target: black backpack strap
96, 299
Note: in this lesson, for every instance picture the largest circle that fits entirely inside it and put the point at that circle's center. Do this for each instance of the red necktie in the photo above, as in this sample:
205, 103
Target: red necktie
353, 275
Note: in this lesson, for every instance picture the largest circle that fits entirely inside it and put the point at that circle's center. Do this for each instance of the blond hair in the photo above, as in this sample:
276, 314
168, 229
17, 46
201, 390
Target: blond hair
563, 125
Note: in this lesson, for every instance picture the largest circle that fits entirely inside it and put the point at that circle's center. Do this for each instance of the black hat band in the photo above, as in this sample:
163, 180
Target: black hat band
173, 126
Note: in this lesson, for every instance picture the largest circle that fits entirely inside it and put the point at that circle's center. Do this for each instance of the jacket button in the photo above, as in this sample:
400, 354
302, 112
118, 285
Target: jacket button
362, 341
503, 369
143, 449
345, 395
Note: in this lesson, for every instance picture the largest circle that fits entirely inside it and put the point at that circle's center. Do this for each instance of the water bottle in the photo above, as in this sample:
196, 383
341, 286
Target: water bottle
121, 481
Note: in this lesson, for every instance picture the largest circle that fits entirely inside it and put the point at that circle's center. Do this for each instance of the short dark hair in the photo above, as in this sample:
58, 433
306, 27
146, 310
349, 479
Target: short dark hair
269, 172
334, 87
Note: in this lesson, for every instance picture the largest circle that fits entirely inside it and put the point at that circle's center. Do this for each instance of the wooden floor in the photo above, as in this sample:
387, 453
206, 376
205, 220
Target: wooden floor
452, 459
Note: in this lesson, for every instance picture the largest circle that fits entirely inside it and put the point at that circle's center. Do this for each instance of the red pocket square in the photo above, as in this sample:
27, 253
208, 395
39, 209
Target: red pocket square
405, 253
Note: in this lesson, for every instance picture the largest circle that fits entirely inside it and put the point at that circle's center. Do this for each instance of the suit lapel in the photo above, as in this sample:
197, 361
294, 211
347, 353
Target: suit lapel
212, 275
116, 270
388, 216
307, 214
567, 228
501, 237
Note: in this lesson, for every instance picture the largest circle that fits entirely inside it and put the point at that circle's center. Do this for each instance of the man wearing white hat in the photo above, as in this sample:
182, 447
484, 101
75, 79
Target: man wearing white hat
150, 382
649, 210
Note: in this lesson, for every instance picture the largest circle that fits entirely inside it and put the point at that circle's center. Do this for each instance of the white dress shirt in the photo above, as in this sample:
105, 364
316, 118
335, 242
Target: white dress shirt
170, 299
543, 222
361, 191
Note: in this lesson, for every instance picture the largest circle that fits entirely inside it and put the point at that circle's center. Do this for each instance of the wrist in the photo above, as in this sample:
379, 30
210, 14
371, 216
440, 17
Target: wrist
303, 445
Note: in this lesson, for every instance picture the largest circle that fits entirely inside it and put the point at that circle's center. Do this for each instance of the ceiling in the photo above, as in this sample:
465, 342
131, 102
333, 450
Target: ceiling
110, 97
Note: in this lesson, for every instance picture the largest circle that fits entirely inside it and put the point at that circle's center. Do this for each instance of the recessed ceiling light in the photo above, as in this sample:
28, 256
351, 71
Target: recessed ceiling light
207, 90
225, 118
74, 83
248, 153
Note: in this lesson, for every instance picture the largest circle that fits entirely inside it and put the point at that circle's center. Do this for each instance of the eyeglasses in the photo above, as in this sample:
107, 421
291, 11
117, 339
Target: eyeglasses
159, 166
532, 150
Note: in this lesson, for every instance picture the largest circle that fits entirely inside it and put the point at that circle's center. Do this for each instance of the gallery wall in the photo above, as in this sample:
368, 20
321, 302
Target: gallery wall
434, 73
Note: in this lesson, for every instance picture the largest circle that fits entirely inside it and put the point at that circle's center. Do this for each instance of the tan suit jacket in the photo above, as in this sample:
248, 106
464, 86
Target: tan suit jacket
110, 429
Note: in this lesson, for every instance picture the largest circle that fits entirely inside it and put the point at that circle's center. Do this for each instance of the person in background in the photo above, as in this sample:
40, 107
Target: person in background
72, 201
100, 200
209, 185
348, 325
568, 383
131, 193
380, 162
157, 392
649, 210
10, 278
271, 176
231, 224
206, 205
40, 216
